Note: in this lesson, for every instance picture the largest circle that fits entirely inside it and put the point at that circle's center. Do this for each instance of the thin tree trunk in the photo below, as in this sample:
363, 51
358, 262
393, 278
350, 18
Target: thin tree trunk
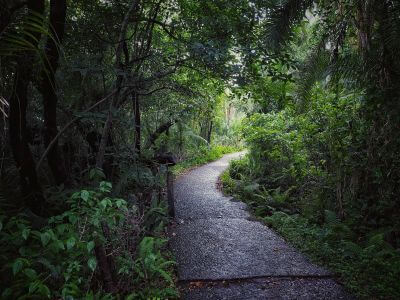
29, 183
138, 125
30, 187
118, 84
180, 145
210, 128
104, 138
48, 89
105, 267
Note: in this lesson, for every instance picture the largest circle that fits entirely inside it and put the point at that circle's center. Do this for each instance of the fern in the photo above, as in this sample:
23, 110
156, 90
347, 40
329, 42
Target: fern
151, 262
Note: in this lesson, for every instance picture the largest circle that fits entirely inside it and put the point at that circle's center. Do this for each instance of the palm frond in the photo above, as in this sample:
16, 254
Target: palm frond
22, 34
189, 133
351, 69
314, 69
283, 17
4, 107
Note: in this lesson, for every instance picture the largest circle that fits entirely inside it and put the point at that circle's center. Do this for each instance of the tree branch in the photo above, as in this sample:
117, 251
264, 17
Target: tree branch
51, 144
153, 91
114, 101
156, 134
163, 26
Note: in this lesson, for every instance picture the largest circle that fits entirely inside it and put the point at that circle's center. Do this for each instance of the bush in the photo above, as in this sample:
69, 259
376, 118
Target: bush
310, 175
62, 259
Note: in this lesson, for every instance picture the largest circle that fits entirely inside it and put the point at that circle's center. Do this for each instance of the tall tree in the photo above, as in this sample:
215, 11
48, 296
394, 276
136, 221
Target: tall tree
19, 99
58, 9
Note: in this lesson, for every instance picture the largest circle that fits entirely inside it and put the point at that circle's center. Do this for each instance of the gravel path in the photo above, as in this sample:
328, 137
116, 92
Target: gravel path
223, 254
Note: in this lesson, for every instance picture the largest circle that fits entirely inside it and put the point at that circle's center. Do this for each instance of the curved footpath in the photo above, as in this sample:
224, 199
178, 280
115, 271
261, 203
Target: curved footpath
223, 254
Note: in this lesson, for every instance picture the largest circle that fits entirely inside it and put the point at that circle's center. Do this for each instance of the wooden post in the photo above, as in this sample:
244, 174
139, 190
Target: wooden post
168, 160
170, 193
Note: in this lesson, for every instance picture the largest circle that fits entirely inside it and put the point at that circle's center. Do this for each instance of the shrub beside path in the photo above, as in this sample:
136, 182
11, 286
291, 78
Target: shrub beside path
222, 253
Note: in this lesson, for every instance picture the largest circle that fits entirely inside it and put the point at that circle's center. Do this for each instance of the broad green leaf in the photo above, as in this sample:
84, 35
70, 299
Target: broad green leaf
25, 233
33, 287
61, 228
92, 263
120, 202
105, 187
94, 173
70, 242
85, 195
90, 246
72, 218
60, 244
17, 266
31, 273
131, 297
44, 290
105, 202
45, 238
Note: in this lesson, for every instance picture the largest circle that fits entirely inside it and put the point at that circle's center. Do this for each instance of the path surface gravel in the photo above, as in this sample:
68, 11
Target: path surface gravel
223, 254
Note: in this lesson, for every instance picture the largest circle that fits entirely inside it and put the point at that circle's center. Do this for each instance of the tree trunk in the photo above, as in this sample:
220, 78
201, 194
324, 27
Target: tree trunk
180, 145
136, 106
105, 267
210, 128
48, 89
104, 138
30, 186
118, 84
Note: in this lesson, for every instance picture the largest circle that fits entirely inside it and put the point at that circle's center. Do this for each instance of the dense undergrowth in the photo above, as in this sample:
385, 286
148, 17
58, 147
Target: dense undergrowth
302, 176
112, 92
127, 86
323, 167
59, 257
368, 267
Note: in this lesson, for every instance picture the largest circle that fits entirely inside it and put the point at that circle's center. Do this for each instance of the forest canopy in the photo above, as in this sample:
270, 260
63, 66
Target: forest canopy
99, 98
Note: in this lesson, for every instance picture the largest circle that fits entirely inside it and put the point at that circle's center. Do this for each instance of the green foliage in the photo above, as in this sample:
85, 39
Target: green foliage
369, 268
60, 259
153, 268
318, 80
202, 155
303, 177
22, 34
